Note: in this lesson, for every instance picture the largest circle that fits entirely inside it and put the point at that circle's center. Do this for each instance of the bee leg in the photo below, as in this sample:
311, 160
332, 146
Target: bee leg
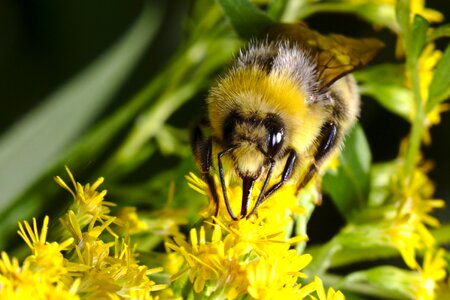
329, 137
222, 182
202, 149
287, 172
262, 196
247, 187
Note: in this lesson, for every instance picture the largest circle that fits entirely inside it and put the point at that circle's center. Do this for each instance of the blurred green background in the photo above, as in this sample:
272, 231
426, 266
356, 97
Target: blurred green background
45, 44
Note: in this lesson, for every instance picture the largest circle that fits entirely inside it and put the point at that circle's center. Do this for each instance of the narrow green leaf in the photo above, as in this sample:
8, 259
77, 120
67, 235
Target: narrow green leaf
276, 9
393, 282
402, 11
349, 185
418, 36
439, 90
440, 32
40, 139
246, 18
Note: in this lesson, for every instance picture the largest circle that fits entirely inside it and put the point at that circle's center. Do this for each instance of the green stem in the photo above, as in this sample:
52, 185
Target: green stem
307, 199
322, 260
417, 125
308, 203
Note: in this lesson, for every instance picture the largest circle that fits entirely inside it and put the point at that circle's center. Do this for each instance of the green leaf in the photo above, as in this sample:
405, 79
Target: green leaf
386, 84
382, 74
394, 98
348, 256
40, 139
246, 18
402, 11
393, 282
277, 8
440, 84
382, 176
440, 32
349, 185
418, 36
379, 14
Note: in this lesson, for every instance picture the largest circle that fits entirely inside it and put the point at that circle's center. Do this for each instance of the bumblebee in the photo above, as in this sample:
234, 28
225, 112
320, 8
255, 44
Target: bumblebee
280, 111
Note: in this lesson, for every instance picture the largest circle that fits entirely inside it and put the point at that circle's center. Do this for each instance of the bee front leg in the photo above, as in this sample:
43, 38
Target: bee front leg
223, 183
202, 149
285, 176
329, 138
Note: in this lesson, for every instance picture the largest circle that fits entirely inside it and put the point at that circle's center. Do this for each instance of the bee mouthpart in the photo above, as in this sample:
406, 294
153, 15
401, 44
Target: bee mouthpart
247, 187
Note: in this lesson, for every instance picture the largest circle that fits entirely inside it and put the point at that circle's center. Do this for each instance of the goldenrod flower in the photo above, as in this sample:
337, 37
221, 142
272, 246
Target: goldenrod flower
129, 220
433, 118
209, 262
36, 289
416, 202
429, 275
276, 276
46, 257
116, 274
251, 255
88, 203
413, 204
426, 65
92, 263
279, 208
26, 282
230, 266
330, 295
418, 8
405, 237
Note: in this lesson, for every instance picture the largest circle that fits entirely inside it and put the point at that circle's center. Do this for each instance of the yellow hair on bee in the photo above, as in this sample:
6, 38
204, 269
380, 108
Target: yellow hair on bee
254, 92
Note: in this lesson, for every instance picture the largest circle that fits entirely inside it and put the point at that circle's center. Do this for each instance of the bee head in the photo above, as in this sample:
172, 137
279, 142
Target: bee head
257, 138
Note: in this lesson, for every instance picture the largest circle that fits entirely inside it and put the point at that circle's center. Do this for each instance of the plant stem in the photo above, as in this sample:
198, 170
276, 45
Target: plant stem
307, 199
418, 122
322, 260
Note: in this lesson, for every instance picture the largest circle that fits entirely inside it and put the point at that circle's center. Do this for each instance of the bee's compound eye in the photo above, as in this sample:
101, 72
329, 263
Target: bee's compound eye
230, 126
275, 134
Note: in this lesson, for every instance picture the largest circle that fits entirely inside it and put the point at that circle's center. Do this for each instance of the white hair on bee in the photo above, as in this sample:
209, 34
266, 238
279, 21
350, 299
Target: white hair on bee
281, 56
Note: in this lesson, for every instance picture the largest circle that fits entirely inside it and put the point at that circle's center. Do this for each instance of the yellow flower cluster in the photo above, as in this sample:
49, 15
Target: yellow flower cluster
409, 230
426, 65
251, 256
91, 262
405, 227
427, 277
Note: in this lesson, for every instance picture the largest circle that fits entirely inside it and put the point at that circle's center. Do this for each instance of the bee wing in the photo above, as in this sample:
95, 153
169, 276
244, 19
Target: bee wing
335, 55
